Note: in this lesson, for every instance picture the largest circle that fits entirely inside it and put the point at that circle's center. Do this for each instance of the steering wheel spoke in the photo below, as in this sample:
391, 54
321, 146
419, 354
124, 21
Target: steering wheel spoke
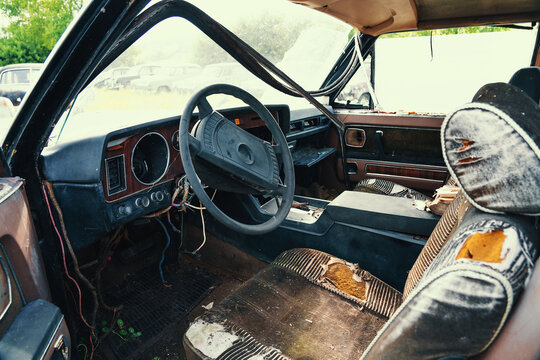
205, 109
280, 191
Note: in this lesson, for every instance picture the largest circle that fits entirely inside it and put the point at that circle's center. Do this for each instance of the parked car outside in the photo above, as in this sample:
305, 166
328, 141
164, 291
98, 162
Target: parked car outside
137, 72
108, 78
17, 79
162, 83
231, 73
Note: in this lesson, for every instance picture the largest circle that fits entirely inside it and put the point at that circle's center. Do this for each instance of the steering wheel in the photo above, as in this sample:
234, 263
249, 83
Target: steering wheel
233, 153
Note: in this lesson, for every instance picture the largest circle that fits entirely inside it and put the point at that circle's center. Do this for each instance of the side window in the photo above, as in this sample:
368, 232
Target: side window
443, 69
436, 71
356, 92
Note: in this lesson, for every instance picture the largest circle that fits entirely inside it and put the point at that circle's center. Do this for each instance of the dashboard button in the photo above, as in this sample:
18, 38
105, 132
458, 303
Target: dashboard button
145, 202
124, 210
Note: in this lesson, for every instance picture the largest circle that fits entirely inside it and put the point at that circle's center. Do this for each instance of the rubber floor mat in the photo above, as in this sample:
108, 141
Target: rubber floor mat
153, 308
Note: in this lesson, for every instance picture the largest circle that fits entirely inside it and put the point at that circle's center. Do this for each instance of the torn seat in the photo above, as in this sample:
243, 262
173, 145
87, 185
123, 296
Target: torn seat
309, 305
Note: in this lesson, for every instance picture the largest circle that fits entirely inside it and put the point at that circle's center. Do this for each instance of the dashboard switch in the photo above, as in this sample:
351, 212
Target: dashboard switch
157, 196
124, 210
145, 202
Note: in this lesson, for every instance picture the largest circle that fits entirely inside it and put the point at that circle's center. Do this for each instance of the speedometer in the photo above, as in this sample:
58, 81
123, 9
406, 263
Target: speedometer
150, 158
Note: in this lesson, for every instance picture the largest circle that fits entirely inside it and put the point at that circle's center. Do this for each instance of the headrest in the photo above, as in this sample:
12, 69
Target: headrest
491, 148
528, 80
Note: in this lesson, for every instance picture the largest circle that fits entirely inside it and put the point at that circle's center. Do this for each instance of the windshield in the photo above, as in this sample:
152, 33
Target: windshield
303, 43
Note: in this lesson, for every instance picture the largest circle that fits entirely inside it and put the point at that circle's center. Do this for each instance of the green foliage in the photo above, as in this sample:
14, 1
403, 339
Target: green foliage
450, 31
34, 27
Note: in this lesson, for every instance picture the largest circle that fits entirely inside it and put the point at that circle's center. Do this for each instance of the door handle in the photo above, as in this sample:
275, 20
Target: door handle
379, 143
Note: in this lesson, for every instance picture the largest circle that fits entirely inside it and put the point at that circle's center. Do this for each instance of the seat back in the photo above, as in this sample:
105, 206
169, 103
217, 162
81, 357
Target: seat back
528, 80
481, 255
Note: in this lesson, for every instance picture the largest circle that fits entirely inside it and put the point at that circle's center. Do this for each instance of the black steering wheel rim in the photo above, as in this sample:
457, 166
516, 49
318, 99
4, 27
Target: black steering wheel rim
281, 146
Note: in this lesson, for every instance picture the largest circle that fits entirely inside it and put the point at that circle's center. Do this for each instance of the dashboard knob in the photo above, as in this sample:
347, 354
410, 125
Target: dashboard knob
145, 202
124, 210
159, 196
138, 202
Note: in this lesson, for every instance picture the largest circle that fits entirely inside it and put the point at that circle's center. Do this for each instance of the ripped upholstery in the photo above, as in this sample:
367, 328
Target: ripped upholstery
385, 187
315, 265
491, 147
305, 305
460, 304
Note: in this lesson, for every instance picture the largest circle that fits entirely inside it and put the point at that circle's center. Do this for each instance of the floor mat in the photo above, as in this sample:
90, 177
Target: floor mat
152, 308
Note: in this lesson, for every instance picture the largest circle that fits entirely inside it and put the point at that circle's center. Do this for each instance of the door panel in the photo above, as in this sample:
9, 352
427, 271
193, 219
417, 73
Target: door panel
405, 149
30, 326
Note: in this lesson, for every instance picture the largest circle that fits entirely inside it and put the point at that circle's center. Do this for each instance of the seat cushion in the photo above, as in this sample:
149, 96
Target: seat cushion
385, 187
305, 305
465, 295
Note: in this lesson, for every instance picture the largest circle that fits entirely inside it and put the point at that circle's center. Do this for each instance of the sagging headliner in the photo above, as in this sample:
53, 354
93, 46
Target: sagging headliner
375, 17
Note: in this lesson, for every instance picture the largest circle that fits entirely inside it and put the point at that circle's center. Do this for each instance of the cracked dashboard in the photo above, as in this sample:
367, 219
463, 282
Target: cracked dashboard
104, 174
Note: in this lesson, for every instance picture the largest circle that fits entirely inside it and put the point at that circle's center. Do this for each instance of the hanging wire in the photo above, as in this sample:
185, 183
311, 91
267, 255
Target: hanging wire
164, 250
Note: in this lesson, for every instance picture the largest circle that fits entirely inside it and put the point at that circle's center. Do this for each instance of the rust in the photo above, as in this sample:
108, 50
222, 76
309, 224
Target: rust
341, 276
485, 247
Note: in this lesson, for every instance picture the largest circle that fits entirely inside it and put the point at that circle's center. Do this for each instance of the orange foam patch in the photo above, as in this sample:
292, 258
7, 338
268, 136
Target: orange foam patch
466, 143
468, 160
483, 247
342, 277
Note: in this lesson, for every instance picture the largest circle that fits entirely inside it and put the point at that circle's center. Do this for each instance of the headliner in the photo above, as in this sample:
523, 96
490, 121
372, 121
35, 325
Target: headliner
375, 17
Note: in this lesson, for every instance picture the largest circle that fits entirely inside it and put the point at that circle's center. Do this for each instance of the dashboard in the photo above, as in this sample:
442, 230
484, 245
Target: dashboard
104, 177
107, 176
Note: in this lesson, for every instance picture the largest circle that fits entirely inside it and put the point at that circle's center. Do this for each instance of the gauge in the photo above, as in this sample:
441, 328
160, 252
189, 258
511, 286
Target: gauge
150, 158
176, 140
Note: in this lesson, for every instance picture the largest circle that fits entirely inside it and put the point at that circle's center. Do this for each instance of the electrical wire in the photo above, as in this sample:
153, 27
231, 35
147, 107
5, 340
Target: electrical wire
164, 249
203, 231
64, 259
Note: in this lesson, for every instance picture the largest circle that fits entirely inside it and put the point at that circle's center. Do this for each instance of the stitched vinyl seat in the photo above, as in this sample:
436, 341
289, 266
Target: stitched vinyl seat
309, 305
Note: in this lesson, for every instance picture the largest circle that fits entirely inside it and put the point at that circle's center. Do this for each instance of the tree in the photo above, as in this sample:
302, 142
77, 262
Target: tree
271, 35
34, 27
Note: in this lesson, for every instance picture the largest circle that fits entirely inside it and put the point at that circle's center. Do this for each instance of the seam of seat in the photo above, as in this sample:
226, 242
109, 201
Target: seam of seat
440, 235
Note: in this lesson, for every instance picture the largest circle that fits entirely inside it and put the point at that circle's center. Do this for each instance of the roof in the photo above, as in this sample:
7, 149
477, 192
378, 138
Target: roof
22, 66
375, 17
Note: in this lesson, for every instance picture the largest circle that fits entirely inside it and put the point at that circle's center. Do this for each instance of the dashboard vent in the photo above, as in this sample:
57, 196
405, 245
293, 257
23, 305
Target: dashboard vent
116, 175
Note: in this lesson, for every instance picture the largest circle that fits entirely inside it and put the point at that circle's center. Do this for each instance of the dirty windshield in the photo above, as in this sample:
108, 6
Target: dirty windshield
164, 68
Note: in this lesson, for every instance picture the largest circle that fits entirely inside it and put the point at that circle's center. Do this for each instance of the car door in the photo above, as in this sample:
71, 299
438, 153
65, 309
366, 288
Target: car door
392, 131
400, 147
31, 327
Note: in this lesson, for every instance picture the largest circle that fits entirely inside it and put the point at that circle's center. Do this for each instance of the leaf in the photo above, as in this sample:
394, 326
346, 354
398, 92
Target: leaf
105, 330
120, 322
131, 330
123, 332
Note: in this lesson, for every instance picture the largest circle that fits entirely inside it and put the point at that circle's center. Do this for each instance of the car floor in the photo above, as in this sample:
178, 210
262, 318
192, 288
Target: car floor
162, 312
